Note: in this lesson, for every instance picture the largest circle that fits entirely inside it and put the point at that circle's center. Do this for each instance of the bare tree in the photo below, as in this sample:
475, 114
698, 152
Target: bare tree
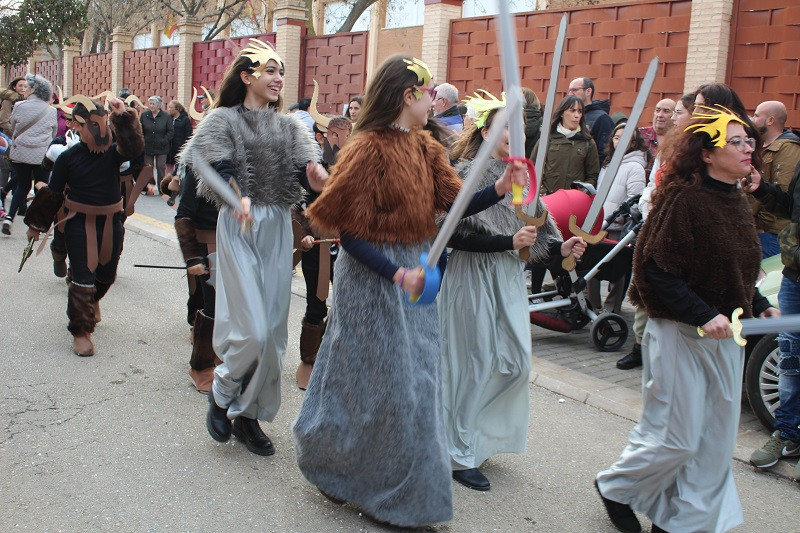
347, 14
105, 15
218, 15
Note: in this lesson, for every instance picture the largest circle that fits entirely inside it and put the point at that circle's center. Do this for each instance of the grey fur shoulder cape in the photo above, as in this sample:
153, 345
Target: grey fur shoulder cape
500, 219
268, 150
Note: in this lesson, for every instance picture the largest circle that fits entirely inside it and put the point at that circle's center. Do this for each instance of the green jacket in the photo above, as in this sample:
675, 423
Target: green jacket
568, 160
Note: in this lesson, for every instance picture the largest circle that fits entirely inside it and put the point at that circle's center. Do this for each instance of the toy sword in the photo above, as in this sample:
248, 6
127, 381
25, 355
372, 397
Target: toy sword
758, 326
226, 191
26, 253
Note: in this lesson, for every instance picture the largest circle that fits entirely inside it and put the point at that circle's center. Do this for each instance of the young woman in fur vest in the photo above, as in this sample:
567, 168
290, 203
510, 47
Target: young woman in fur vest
264, 155
696, 260
370, 430
485, 370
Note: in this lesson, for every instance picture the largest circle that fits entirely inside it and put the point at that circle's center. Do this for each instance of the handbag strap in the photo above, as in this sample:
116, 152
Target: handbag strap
29, 124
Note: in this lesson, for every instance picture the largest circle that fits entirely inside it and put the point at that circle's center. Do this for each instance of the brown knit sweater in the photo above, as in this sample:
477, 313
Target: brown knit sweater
706, 238
387, 187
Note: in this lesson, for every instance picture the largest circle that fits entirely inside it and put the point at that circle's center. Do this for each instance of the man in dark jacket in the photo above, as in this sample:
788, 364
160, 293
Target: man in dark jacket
445, 107
785, 440
157, 129
595, 112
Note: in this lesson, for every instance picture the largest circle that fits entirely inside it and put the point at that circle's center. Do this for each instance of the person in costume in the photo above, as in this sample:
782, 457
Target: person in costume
370, 429
483, 314
317, 260
696, 260
262, 154
93, 232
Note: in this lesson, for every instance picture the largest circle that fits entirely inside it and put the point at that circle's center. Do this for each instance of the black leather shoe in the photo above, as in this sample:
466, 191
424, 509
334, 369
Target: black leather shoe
656, 529
248, 431
632, 360
472, 479
60, 269
621, 515
217, 422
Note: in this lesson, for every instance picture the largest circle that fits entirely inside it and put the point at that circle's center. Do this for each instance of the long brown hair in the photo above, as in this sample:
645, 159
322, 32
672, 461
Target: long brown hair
383, 100
232, 89
565, 104
470, 140
637, 143
719, 93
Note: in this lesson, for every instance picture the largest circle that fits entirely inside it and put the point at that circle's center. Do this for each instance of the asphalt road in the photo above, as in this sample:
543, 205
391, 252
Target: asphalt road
117, 442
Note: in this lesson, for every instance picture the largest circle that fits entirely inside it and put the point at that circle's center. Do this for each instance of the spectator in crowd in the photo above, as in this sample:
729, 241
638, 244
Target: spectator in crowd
628, 182
445, 106
181, 131
303, 114
124, 93
354, 108
780, 156
595, 112
157, 130
33, 127
682, 114
533, 119
662, 122
8, 97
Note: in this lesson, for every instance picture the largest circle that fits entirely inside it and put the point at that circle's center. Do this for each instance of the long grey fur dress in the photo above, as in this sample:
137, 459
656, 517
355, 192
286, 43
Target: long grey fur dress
486, 338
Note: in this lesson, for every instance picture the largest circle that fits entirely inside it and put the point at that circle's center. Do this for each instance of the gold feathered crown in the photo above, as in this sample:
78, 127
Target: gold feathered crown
260, 53
483, 106
717, 129
422, 71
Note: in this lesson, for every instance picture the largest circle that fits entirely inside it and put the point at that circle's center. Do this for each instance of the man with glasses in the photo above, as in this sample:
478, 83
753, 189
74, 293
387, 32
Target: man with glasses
595, 112
780, 157
445, 106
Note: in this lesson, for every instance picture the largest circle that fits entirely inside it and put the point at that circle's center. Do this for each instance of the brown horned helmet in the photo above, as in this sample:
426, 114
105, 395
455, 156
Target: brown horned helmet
91, 122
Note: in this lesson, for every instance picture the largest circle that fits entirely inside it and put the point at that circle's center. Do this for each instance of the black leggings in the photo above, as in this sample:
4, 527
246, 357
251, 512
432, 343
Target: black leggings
316, 309
25, 175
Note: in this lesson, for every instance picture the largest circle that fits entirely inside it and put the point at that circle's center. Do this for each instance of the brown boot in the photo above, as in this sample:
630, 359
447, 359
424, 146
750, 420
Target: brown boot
97, 316
80, 311
203, 359
102, 289
310, 339
82, 345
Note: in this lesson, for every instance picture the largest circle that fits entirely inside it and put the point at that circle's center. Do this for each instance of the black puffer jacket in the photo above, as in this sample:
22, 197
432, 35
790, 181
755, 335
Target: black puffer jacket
157, 132
182, 130
533, 128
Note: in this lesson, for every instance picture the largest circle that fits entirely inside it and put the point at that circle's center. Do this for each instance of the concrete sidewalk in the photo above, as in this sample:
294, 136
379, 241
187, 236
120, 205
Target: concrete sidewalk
564, 363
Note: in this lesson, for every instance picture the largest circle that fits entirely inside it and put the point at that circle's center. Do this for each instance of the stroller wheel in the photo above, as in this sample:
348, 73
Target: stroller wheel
609, 332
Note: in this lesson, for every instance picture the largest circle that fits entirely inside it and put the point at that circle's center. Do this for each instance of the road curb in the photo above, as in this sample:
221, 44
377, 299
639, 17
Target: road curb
619, 401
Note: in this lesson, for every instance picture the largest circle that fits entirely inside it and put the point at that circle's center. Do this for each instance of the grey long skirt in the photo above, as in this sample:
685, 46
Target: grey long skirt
677, 467
370, 428
486, 356
253, 282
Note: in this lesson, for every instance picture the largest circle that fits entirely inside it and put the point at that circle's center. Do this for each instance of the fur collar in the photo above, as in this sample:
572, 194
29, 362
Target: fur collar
268, 149
500, 219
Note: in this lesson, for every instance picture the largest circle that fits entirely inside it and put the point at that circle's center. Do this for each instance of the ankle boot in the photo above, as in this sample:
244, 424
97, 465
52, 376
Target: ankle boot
632, 360
80, 311
217, 422
310, 339
249, 432
102, 289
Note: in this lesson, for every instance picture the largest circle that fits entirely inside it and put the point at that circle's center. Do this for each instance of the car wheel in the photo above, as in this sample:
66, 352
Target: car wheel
761, 380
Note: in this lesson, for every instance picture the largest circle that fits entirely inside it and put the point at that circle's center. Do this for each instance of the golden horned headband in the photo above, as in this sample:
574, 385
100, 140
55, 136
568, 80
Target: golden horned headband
483, 106
260, 53
717, 129
422, 71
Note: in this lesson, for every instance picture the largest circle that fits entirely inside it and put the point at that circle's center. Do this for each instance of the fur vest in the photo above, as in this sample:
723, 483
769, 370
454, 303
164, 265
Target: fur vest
387, 186
268, 149
706, 238
500, 219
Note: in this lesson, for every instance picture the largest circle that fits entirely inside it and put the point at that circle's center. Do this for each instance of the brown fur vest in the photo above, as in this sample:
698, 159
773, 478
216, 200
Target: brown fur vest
706, 238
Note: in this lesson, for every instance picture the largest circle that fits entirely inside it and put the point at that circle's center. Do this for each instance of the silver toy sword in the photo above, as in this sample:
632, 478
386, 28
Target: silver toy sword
758, 326
215, 182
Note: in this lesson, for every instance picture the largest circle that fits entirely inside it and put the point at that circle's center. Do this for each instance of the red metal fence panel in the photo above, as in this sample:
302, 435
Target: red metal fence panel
764, 63
49, 70
17, 72
152, 72
91, 74
339, 64
611, 43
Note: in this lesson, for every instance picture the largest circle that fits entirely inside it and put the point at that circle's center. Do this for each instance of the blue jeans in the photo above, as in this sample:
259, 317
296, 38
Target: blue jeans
769, 244
787, 416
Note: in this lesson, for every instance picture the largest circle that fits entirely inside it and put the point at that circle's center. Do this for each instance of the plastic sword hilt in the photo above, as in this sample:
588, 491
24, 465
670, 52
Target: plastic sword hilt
568, 263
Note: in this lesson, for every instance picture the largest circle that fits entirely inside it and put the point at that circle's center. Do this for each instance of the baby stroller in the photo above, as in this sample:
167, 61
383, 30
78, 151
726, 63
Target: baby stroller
565, 308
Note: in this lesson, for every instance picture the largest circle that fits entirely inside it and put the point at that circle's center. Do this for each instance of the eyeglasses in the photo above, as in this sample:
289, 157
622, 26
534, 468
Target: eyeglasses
427, 90
739, 143
572, 90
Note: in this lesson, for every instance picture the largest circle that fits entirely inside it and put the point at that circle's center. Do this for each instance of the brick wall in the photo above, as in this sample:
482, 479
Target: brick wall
49, 70
91, 74
339, 64
399, 41
152, 72
212, 58
764, 60
612, 44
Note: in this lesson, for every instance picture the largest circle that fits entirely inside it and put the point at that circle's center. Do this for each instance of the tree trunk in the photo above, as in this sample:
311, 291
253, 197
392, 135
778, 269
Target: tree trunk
358, 8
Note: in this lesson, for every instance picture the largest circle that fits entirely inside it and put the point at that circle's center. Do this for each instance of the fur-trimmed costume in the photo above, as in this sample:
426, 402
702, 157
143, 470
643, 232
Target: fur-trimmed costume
370, 429
698, 244
265, 153
486, 339
93, 227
